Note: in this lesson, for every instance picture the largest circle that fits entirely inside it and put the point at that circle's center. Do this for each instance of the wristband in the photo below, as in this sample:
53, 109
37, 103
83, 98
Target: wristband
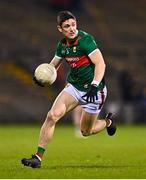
95, 82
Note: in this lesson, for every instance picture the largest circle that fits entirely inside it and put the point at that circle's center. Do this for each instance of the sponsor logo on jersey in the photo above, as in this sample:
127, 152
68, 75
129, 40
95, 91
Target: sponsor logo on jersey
72, 59
76, 62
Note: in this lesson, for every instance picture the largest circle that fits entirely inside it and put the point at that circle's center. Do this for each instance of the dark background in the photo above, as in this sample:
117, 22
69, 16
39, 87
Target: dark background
28, 37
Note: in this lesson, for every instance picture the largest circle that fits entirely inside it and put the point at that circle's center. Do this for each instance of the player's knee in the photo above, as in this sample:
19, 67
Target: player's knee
50, 119
53, 115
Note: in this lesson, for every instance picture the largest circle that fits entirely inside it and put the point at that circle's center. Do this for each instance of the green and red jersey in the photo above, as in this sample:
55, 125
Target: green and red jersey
76, 54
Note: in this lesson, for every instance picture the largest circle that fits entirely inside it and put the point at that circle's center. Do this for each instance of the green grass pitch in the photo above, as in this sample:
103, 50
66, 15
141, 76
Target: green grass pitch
99, 156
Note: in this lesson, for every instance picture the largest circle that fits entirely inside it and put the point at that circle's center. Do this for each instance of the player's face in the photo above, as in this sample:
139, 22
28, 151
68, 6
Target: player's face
69, 28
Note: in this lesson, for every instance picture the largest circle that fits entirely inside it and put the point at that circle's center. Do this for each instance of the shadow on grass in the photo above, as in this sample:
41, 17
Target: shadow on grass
95, 166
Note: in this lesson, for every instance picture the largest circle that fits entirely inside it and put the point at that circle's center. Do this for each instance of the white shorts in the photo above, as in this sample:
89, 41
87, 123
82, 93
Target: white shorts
93, 108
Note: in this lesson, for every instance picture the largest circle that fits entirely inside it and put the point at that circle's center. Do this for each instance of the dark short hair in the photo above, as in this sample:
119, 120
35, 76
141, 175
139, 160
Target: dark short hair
63, 16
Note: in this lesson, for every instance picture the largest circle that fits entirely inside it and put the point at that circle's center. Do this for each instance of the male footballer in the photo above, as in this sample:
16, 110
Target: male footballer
86, 86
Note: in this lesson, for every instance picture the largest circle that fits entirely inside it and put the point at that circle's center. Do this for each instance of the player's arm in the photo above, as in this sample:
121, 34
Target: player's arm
97, 59
56, 61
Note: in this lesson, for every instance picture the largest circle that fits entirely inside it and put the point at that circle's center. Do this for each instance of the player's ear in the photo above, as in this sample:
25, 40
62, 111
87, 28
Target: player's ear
59, 28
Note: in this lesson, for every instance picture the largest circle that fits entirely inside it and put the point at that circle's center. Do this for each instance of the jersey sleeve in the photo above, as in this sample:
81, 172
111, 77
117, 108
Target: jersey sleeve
58, 51
89, 44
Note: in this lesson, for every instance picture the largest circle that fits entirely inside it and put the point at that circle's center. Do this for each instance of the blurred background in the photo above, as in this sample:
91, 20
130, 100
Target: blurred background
28, 37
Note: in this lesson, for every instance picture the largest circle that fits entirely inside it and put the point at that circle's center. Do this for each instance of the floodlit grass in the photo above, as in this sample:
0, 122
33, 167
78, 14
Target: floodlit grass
99, 156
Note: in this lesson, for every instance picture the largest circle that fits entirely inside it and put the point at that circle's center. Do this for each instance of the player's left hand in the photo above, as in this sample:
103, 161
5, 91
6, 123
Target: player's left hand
37, 82
91, 95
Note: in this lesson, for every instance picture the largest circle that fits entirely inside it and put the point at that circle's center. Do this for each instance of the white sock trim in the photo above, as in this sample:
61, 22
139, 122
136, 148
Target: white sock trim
38, 157
110, 122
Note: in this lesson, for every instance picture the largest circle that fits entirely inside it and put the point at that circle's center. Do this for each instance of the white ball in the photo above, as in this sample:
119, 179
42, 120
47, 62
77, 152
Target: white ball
46, 74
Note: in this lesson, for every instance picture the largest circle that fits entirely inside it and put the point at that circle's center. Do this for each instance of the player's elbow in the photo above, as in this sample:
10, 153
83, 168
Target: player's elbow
104, 65
100, 64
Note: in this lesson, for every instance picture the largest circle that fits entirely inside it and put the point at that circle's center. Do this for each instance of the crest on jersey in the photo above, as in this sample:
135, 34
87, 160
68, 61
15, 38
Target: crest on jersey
74, 49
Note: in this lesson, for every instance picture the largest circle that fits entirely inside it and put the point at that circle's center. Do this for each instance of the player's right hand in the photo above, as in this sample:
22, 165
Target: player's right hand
37, 82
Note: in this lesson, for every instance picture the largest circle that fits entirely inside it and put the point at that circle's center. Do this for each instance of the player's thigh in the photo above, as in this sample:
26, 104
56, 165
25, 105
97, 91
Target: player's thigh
63, 103
87, 120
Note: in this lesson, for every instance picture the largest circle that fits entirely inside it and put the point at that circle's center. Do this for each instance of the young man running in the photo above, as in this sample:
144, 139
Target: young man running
86, 86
